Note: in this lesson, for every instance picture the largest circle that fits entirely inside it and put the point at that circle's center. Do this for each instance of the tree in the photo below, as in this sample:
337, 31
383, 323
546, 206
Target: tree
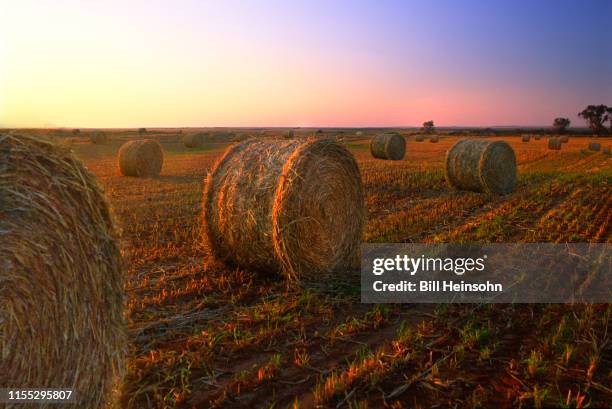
560, 124
596, 116
428, 126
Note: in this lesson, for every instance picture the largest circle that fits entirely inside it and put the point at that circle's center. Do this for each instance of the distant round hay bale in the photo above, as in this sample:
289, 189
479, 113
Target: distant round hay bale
481, 166
554, 144
61, 291
606, 150
537, 137
564, 139
194, 140
289, 134
434, 139
419, 138
98, 138
526, 138
295, 207
388, 146
141, 158
359, 133
594, 146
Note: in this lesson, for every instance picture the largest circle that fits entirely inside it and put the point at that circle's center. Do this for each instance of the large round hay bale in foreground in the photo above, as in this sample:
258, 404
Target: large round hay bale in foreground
141, 158
564, 139
194, 140
481, 166
525, 138
295, 207
388, 146
554, 144
594, 146
61, 280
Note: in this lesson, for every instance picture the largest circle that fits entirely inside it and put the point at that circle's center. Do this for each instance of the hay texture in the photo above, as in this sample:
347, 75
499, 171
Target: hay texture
295, 207
594, 146
141, 158
434, 139
481, 166
194, 140
419, 138
61, 280
98, 138
554, 144
526, 138
564, 139
388, 146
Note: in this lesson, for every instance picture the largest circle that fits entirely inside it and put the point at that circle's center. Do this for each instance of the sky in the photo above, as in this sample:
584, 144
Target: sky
302, 63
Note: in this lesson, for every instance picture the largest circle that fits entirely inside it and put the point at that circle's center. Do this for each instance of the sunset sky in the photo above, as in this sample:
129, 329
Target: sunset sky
302, 63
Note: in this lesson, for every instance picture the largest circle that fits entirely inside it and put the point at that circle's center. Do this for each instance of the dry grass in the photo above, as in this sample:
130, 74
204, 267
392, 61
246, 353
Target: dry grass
141, 158
98, 138
481, 166
195, 140
290, 206
203, 334
554, 144
388, 146
61, 275
594, 146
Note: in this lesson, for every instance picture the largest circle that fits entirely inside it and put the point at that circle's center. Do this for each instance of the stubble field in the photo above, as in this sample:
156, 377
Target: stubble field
204, 335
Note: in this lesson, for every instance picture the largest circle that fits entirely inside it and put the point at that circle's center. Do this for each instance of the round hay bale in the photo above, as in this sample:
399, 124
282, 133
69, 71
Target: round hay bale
526, 138
594, 146
141, 158
289, 134
388, 146
194, 140
554, 144
481, 166
434, 139
295, 207
359, 133
419, 138
537, 137
98, 138
606, 150
61, 297
564, 139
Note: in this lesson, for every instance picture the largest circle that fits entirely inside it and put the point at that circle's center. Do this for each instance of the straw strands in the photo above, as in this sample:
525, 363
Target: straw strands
61, 292
141, 158
481, 166
293, 206
388, 146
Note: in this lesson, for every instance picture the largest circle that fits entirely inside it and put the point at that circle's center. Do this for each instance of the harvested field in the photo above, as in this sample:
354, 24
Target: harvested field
203, 334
